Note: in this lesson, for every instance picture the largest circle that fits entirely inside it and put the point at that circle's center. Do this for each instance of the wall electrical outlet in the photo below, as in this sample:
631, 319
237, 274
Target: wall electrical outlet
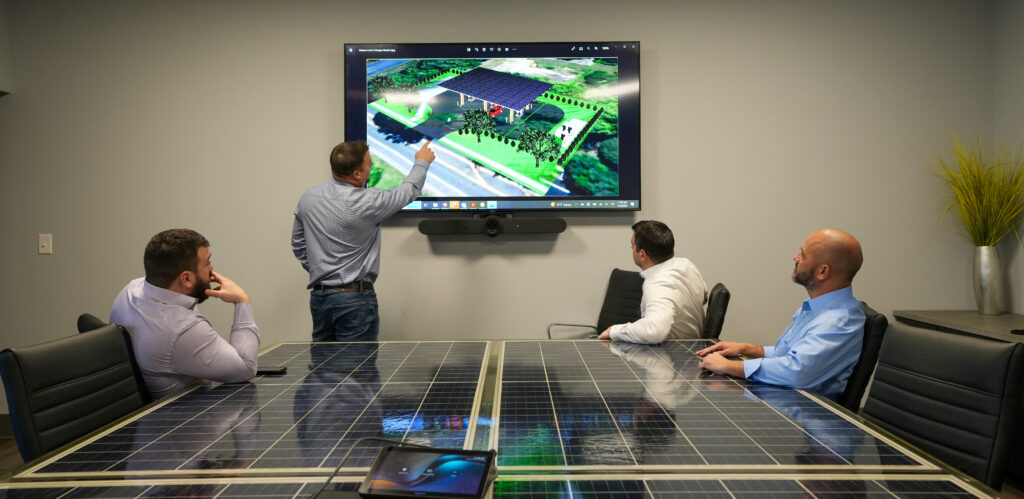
45, 244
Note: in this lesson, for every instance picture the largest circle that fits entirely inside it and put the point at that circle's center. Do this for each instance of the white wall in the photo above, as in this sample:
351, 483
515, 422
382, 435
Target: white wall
1008, 119
762, 121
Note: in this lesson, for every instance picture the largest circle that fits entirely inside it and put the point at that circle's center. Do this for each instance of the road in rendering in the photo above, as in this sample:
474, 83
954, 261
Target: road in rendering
451, 174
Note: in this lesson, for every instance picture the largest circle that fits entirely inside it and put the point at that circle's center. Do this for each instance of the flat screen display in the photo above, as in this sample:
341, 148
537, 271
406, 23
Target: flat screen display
428, 472
514, 126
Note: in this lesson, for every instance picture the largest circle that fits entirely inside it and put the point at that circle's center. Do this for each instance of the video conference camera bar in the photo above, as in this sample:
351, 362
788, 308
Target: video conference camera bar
491, 226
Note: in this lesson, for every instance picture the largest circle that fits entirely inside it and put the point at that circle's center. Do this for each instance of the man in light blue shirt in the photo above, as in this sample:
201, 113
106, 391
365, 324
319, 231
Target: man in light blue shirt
818, 350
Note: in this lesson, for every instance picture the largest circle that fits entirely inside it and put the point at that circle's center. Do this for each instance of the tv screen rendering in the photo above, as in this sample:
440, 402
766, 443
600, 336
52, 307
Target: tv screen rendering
514, 126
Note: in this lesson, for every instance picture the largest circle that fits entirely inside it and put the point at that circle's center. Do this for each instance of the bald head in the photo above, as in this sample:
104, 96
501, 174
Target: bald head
828, 260
841, 251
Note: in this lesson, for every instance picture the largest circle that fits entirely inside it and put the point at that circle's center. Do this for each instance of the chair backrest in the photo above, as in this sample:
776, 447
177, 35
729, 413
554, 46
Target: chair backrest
88, 322
956, 397
63, 389
621, 300
718, 303
875, 325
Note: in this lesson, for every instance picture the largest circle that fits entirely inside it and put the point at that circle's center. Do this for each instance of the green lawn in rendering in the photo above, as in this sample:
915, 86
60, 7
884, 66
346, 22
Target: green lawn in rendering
493, 153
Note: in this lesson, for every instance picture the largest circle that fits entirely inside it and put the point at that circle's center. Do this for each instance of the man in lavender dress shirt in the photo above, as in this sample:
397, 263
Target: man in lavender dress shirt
174, 344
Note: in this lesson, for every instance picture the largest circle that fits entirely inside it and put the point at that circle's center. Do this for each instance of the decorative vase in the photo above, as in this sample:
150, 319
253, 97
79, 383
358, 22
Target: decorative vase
989, 290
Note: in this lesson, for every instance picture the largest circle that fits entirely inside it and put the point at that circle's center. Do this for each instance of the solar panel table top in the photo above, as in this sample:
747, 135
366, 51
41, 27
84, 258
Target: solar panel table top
595, 405
332, 395
585, 410
530, 487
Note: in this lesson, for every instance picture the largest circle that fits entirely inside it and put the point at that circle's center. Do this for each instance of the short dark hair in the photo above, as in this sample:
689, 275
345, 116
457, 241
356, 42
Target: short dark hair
170, 253
655, 238
347, 156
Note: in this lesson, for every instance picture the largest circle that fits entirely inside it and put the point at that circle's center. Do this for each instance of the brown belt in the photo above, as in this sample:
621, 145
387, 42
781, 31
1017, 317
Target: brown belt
352, 286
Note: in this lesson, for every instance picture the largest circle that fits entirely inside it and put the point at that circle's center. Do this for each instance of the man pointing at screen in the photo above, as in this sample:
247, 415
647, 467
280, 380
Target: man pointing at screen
336, 238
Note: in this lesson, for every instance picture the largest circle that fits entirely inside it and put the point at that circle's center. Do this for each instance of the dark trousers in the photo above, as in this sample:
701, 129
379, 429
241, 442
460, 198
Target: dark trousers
344, 315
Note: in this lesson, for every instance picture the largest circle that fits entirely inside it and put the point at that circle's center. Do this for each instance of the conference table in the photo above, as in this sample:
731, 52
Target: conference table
568, 418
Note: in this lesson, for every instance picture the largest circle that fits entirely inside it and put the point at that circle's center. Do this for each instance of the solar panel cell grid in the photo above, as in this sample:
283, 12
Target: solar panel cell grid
532, 487
508, 90
583, 407
333, 394
604, 417
621, 405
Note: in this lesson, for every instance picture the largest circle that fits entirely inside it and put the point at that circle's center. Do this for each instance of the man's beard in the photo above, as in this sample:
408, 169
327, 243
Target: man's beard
199, 291
804, 279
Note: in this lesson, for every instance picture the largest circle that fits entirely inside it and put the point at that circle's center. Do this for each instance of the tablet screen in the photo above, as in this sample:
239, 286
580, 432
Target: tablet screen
424, 472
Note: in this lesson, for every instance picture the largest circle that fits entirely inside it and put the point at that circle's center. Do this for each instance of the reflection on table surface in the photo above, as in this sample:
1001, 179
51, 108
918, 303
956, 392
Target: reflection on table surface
332, 395
545, 406
597, 405
539, 487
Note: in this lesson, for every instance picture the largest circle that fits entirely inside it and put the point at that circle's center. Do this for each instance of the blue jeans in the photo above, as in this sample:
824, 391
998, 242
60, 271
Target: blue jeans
344, 315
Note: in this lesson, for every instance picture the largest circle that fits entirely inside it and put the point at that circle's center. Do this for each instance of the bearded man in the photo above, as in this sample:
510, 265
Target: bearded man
174, 344
819, 349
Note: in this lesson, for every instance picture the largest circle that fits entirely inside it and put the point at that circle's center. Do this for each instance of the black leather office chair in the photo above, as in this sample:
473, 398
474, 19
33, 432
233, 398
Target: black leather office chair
621, 304
88, 322
875, 325
714, 318
956, 397
63, 389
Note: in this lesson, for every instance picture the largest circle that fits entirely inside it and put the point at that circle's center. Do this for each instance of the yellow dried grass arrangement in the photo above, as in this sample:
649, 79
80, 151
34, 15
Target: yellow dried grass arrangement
987, 196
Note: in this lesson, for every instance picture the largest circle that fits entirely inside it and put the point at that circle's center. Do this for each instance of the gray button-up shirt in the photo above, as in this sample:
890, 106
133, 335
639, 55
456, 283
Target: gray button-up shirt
336, 234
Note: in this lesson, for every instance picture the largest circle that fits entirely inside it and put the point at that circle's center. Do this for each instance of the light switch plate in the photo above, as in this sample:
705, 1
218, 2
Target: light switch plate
45, 244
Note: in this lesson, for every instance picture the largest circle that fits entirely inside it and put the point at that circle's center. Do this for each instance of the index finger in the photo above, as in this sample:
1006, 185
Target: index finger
425, 144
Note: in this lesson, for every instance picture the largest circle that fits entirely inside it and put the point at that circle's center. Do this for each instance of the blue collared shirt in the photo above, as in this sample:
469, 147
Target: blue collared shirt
818, 350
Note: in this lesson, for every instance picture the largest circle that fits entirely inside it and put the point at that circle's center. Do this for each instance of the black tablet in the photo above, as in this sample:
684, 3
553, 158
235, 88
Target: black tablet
429, 472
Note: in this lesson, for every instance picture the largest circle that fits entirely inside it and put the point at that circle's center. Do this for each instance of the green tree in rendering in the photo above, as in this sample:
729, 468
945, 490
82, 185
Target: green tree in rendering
586, 175
381, 86
479, 122
598, 77
375, 174
539, 144
608, 151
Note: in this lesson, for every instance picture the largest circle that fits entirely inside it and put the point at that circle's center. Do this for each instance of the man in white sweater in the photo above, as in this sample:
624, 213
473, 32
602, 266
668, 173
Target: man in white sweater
674, 290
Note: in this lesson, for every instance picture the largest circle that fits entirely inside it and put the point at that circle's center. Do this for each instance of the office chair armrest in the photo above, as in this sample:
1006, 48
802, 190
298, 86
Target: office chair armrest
592, 334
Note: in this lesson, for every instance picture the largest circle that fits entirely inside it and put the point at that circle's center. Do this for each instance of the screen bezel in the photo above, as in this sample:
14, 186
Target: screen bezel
382, 456
628, 123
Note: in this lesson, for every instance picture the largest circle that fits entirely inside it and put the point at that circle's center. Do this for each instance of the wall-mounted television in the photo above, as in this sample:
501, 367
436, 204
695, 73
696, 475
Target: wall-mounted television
515, 126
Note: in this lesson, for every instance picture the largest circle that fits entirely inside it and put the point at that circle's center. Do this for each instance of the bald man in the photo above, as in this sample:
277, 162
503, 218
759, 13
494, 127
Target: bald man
818, 350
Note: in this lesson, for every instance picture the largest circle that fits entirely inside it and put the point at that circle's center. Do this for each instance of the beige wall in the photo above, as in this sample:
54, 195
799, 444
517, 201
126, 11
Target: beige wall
761, 122
6, 78
1008, 119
